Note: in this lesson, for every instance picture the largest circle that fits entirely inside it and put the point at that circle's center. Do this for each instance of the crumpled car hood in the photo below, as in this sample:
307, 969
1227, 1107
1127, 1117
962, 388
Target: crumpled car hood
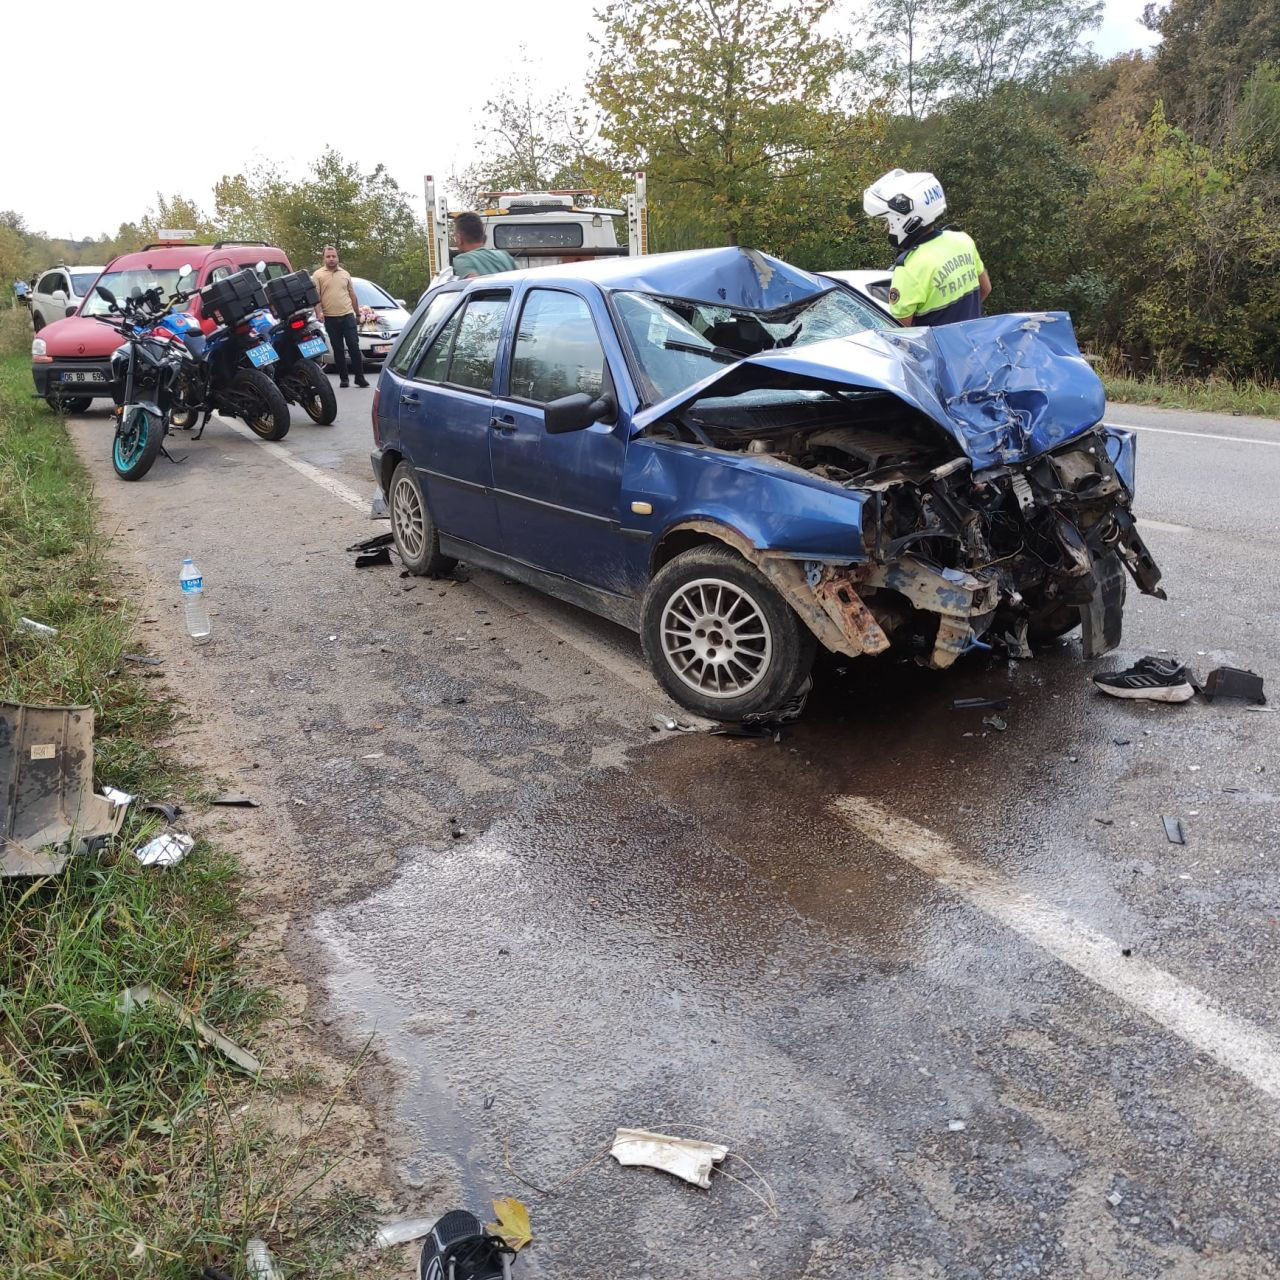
1007, 387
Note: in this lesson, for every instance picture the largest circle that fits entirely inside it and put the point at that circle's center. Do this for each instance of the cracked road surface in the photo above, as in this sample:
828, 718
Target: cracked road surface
954, 1002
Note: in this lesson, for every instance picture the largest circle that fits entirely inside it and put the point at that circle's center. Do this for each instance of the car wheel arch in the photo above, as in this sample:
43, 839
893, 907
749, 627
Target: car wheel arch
697, 533
836, 625
391, 459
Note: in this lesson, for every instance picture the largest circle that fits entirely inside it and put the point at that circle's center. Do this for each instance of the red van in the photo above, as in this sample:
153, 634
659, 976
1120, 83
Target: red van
71, 358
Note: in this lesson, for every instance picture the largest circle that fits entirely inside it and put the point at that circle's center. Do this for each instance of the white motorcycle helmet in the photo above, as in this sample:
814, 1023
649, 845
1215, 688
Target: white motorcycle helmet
908, 203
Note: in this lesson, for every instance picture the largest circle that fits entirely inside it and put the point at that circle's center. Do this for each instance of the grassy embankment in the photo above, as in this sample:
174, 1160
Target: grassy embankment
127, 1146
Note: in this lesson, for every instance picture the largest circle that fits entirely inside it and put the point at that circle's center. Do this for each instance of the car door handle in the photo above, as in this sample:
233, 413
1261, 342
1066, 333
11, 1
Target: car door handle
409, 397
506, 423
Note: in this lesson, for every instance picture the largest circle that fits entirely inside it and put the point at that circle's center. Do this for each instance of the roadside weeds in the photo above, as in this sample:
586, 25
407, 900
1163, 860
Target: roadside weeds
1203, 395
127, 1145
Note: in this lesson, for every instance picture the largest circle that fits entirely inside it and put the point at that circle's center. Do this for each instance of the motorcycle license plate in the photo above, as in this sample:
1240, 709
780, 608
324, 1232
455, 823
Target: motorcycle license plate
312, 347
263, 353
79, 376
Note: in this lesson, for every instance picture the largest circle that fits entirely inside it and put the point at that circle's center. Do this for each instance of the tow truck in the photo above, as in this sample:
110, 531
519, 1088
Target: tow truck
541, 228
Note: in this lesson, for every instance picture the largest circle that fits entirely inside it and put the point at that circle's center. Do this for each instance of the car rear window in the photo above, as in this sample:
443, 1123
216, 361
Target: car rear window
537, 235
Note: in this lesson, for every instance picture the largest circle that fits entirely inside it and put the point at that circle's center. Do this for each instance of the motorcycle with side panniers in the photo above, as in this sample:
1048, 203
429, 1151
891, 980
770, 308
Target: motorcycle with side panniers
169, 372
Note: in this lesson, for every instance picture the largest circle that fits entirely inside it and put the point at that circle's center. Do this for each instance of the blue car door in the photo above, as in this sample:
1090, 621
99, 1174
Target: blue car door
558, 495
445, 409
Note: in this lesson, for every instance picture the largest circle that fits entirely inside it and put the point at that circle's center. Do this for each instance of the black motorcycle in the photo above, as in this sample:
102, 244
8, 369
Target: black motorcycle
298, 340
224, 372
145, 369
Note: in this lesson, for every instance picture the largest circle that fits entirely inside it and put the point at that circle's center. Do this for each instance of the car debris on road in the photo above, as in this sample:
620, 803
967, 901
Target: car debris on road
687, 1158
146, 993
48, 808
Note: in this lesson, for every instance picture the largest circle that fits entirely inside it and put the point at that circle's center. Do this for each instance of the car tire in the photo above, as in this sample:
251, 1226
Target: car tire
265, 410
416, 536
1053, 624
747, 650
37, 321
62, 405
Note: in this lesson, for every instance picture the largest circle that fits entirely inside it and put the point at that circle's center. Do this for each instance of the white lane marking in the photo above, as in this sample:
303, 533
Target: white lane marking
535, 610
1196, 435
1175, 1005
329, 483
1143, 523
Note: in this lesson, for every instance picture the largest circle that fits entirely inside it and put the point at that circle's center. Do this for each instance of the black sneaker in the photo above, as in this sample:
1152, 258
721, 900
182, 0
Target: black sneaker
344, 383
459, 1248
1155, 679
361, 382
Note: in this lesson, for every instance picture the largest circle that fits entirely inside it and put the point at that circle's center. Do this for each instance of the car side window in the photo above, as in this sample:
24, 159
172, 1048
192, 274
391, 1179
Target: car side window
475, 349
557, 351
218, 273
436, 362
420, 331
45, 283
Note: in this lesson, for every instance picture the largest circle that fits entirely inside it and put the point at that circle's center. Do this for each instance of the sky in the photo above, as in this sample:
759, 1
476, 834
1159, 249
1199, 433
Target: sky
290, 80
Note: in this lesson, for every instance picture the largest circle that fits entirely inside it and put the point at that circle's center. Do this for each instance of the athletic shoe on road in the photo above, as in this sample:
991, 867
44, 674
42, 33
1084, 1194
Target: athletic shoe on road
1154, 679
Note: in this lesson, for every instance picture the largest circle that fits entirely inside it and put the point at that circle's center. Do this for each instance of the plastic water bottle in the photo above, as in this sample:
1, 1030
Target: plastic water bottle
193, 601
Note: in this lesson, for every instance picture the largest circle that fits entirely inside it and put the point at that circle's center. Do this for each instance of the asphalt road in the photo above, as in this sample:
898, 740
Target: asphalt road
949, 995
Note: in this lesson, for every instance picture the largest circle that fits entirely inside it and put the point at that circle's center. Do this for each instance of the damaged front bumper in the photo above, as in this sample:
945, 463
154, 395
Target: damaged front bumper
958, 558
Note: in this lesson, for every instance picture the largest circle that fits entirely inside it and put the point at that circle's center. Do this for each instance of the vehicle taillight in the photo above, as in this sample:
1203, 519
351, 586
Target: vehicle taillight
377, 432
298, 322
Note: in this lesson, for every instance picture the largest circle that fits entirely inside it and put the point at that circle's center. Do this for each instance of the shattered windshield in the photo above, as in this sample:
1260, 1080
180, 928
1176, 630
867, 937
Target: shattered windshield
678, 342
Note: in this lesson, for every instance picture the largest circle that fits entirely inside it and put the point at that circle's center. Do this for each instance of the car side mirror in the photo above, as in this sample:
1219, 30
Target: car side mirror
59, 297
400, 303
576, 412
105, 294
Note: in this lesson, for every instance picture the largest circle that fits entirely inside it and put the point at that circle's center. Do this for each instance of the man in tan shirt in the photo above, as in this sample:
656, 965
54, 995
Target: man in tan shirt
338, 309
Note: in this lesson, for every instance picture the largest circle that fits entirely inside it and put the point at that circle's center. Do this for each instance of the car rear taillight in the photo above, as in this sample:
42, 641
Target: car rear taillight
298, 322
377, 431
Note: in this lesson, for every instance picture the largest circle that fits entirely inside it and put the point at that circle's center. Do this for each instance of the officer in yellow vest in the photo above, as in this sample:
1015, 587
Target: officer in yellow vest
938, 277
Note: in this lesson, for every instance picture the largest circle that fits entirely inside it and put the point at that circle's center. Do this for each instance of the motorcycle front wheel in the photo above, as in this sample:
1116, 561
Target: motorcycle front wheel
137, 443
261, 404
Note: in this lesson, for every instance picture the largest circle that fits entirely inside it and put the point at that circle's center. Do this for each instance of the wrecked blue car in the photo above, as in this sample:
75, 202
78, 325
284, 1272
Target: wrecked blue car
743, 461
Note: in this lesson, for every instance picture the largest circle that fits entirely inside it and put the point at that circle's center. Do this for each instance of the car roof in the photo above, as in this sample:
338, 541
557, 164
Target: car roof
175, 255
729, 277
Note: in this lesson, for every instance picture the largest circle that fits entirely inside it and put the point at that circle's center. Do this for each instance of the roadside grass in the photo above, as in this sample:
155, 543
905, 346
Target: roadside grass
15, 331
127, 1146
1206, 395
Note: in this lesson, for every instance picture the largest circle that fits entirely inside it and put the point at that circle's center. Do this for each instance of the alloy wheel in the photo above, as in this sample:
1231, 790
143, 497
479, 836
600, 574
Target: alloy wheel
407, 517
716, 638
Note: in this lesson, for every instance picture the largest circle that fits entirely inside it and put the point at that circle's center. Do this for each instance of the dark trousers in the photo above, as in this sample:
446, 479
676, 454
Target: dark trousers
344, 337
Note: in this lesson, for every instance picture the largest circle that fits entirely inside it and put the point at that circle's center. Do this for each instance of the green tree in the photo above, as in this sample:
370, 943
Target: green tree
1015, 184
1208, 51
528, 141
733, 107
1188, 239
999, 42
